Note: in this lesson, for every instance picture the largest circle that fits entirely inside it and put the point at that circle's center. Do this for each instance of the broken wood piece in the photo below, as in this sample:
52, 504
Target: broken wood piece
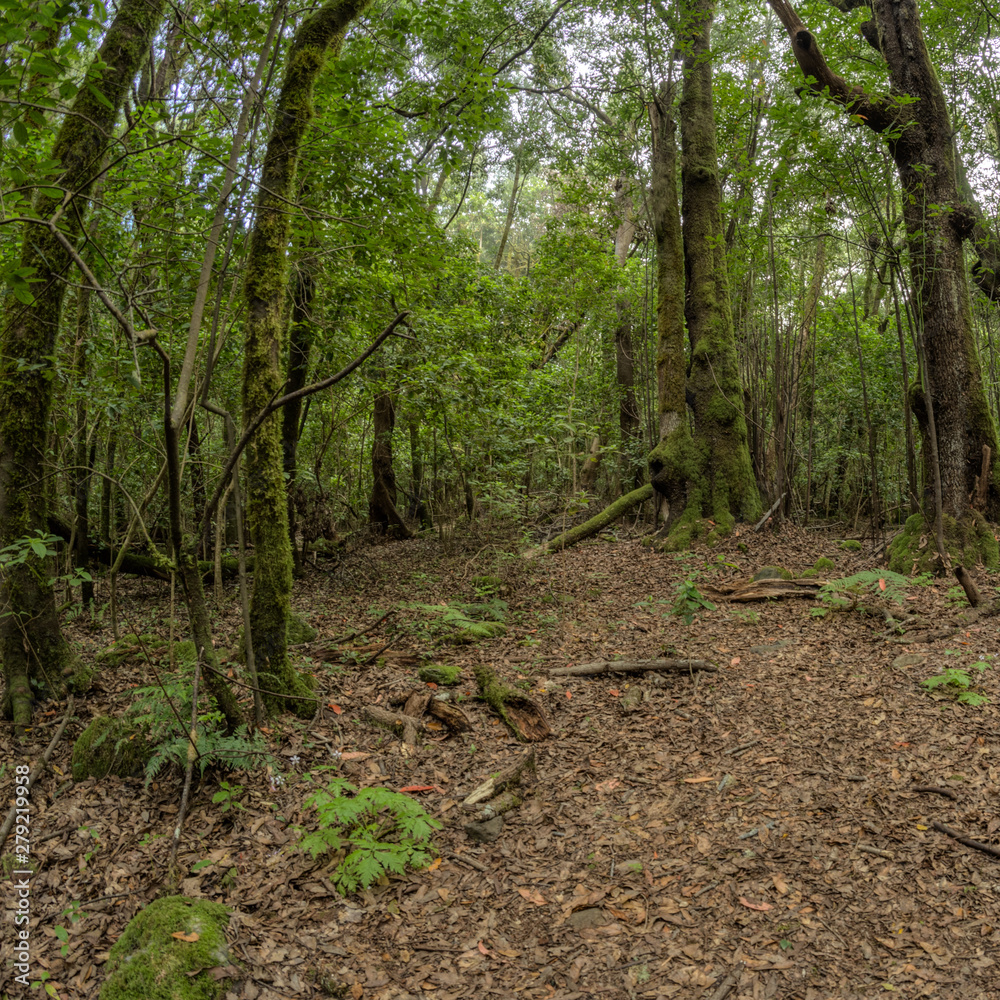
763, 590
731, 981
404, 726
510, 777
934, 790
877, 851
777, 503
968, 585
503, 803
451, 715
968, 841
631, 667
417, 702
519, 714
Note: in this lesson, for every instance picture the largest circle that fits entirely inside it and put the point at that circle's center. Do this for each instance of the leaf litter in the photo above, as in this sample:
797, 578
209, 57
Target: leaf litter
772, 822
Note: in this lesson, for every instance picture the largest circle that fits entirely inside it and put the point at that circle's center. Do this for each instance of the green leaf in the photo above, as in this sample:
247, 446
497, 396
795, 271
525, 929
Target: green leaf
39, 548
20, 133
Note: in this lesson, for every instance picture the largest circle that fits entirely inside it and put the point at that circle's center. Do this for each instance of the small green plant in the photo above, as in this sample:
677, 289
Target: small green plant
229, 796
959, 683
380, 831
846, 594
463, 623
689, 601
748, 615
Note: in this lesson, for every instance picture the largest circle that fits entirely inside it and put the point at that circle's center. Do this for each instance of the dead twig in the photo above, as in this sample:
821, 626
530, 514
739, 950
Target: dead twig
934, 790
729, 983
968, 841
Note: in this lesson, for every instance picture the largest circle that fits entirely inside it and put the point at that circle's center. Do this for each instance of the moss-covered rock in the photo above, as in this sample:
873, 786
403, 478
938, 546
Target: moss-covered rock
150, 961
823, 565
110, 746
970, 542
772, 573
299, 630
144, 647
445, 674
849, 545
477, 632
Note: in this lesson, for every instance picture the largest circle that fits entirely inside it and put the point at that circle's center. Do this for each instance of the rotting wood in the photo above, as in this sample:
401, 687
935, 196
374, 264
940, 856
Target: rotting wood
519, 714
496, 783
416, 703
451, 715
777, 503
763, 590
404, 726
503, 803
877, 851
968, 841
968, 585
631, 667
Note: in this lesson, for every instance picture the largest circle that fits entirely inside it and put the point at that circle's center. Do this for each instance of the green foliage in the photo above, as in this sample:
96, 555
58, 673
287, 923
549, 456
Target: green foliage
379, 831
151, 711
229, 796
33, 549
959, 684
845, 594
462, 623
689, 601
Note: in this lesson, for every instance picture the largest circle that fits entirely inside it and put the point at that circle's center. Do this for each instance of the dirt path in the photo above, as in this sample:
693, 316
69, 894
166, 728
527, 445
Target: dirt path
764, 821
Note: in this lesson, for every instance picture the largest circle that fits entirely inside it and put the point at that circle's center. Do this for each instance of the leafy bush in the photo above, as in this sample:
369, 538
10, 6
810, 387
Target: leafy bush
380, 831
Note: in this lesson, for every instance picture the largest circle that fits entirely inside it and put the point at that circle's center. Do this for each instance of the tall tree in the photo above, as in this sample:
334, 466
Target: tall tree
265, 292
31, 643
720, 487
913, 119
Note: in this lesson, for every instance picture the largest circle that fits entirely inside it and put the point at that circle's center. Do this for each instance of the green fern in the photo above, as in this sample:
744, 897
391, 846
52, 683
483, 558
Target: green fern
380, 831
846, 593
239, 752
465, 623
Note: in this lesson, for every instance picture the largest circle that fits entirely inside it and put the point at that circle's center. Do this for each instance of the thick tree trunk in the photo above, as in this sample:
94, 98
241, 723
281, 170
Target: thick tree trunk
266, 287
918, 134
673, 463
721, 486
31, 643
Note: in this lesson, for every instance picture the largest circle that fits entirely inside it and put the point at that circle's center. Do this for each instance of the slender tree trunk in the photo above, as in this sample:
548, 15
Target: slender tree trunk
508, 221
266, 287
31, 643
382, 512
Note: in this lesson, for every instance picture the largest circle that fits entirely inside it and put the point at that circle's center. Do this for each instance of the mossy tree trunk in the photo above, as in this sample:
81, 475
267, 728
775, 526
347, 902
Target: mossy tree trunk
300, 341
713, 471
31, 644
674, 464
914, 120
266, 289
628, 408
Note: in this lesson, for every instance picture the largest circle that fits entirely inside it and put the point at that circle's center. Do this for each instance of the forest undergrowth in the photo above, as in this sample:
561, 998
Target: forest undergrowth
782, 821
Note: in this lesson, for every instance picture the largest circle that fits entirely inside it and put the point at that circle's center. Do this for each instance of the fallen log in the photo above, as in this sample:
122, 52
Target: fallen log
612, 512
763, 590
503, 780
631, 667
404, 726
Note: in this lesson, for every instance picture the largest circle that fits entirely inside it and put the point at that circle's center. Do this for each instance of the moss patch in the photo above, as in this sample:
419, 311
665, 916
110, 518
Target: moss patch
823, 564
148, 961
445, 674
970, 542
299, 630
849, 545
110, 746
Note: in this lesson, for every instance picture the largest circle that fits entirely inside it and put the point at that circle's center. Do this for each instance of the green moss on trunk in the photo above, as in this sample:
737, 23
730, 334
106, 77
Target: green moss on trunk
265, 290
31, 644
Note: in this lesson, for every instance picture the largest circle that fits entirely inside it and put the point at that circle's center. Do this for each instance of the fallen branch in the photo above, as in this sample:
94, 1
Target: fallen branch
729, 983
403, 726
612, 512
496, 783
631, 667
968, 841
777, 503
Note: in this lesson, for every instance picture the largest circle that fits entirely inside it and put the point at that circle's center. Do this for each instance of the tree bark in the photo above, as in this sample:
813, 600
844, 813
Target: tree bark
382, 512
918, 135
265, 292
31, 643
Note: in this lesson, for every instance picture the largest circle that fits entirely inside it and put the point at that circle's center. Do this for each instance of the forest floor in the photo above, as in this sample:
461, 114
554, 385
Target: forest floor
768, 825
